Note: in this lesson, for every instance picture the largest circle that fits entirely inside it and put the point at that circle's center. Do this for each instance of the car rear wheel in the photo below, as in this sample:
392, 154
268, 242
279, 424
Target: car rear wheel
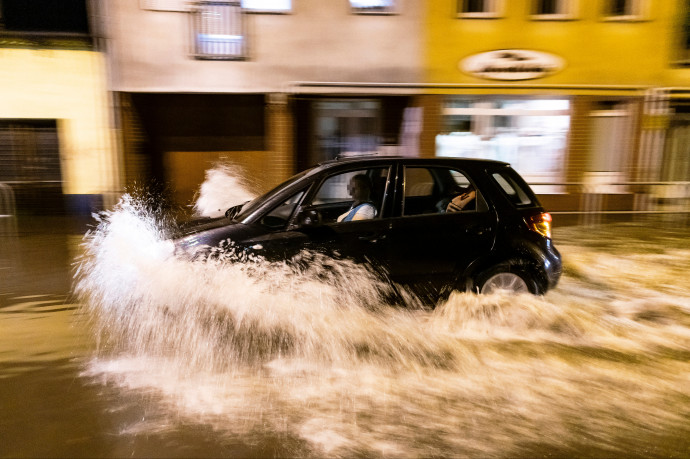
505, 282
506, 278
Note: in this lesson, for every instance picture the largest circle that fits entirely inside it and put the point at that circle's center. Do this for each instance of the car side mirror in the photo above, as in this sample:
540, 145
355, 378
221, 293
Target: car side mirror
233, 211
309, 217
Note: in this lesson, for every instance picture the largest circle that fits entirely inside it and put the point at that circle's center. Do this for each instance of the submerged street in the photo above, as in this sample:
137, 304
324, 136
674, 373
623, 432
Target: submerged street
142, 355
204, 205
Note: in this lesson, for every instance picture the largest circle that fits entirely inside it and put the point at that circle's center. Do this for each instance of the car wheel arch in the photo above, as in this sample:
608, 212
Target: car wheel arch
473, 278
524, 269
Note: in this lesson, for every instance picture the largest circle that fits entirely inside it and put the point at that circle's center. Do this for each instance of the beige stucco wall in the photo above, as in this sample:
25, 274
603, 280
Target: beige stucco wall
319, 41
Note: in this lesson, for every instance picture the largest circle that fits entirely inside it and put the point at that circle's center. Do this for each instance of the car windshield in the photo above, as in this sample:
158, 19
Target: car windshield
252, 205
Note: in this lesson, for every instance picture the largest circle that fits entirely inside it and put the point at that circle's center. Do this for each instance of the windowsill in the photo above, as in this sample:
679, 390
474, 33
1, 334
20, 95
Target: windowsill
625, 19
56, 40
374, 13
204, 57
681, 63
283, 12
479, 16
553, 17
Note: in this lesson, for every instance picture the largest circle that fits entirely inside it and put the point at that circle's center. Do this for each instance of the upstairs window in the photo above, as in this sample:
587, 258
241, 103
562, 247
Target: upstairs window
181, 6
218, 30
554, 9
625, 10
373, 6
267, 6
44, 16
685, 36
45, 24
480, 8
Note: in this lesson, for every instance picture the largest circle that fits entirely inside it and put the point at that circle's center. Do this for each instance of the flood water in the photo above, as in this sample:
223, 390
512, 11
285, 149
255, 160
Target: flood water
142, 354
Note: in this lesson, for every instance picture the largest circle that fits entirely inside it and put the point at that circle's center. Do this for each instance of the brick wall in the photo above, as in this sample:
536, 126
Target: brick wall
431, 122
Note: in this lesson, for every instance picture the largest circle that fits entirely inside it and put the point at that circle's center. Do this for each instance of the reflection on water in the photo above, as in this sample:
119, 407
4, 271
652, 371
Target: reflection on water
314, 360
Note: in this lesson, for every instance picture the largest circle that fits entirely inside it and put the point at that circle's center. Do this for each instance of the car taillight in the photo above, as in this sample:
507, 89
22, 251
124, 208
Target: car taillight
540, 223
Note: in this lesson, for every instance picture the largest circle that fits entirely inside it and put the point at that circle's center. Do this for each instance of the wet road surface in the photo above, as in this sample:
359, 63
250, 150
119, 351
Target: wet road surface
214, 361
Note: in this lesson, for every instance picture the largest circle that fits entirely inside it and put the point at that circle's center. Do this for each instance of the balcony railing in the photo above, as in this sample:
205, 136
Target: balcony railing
218, 31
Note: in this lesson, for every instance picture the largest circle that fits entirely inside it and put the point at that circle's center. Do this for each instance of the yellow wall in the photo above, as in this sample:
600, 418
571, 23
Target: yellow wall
596, 52
69, 86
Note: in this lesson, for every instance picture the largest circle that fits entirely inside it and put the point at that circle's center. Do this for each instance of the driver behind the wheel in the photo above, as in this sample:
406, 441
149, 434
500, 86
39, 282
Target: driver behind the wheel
362, 208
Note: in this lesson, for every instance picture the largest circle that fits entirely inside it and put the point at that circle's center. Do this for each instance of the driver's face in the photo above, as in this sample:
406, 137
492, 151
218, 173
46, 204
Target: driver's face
351, 188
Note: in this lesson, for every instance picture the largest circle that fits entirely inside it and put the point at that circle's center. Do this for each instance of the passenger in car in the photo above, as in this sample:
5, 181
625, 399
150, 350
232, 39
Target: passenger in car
463, 201
362, 208
462, 197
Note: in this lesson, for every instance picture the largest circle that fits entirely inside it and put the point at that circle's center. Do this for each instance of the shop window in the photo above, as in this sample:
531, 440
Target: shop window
30, 165
346, 127
529, 134
625, 10
267, 6
373, 6
219, 30
609, 146
479, 8
554, 9
676, 163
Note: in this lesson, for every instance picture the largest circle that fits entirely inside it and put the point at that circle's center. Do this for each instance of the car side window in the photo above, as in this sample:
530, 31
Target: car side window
434, 190
352, 195
280, 215
512, 189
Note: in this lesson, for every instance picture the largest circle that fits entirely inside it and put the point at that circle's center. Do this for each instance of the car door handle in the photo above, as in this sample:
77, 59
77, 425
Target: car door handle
372, 237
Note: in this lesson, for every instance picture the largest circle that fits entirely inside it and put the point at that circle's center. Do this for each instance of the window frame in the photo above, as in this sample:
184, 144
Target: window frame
683, 34
197, 27
636, 10
479, 205
371, 11
308, 202
180, 6
77, 32
299, 196
521, 190
256, 10
567, 10
495, 10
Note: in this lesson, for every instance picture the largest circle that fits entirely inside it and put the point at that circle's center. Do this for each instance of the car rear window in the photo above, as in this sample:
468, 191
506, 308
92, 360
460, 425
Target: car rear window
514, 188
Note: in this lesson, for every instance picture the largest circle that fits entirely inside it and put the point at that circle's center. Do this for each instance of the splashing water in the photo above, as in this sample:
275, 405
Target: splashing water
598, 367
223, 188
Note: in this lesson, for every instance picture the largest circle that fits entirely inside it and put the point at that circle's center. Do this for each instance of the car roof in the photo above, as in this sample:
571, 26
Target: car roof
363, 159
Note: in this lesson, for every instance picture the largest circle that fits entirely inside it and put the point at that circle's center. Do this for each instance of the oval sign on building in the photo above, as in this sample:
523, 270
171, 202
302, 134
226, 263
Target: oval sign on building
512, 64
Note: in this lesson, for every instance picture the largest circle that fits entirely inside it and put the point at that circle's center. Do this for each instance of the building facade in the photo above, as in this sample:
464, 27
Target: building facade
57, 144
268, 86
588, 99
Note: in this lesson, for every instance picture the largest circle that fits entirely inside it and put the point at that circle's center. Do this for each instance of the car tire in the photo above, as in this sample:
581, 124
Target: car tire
507, 277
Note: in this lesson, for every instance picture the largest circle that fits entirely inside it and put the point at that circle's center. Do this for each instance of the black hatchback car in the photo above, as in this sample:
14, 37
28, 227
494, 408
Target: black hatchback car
435, 225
